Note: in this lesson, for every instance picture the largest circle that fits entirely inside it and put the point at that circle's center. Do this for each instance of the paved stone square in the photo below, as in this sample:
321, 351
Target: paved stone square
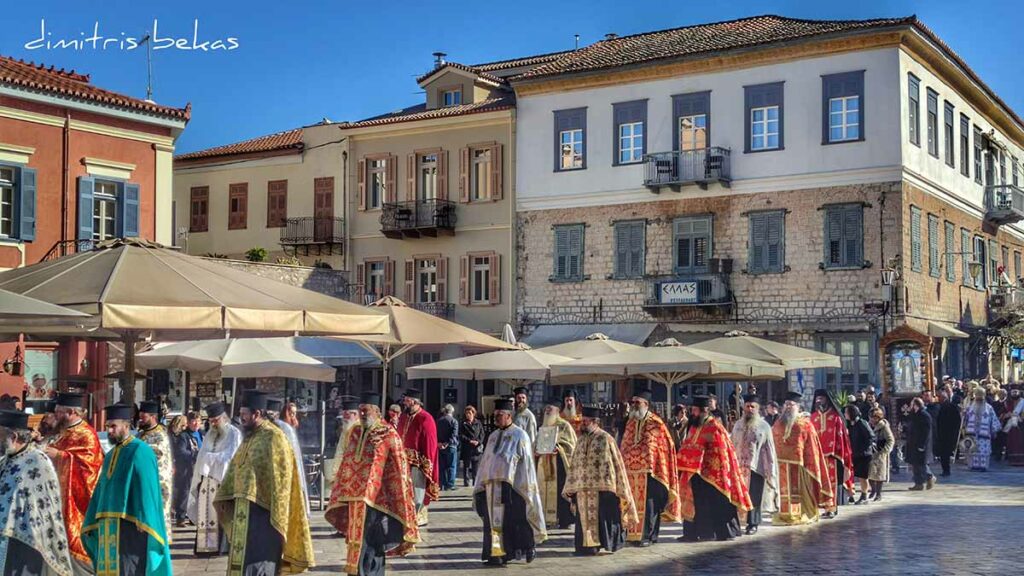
960, 527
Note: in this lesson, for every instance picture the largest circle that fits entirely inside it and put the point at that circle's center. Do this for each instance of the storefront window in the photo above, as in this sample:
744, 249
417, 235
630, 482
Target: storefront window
855, 353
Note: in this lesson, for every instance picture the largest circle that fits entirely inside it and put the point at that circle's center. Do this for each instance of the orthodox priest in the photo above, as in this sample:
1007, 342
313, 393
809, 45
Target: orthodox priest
649, 455
347, 418
32, 536
77, 457
552, 463
598, 488
828, 421
219, 447
419, 436
124, 528
372, 503
259, 504
711, 489
755, 451
152, 432
505, 494
274, 406
804, 486
524, 417
571, 410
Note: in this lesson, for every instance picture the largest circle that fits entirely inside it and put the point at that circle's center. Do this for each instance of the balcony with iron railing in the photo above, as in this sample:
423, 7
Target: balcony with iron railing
709, 289
439, 309
416, 218
321, 233
68, 247
1004, 204
682, 167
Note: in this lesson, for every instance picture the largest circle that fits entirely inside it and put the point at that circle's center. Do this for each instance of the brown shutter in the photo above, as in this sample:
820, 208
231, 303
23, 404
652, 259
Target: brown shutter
360, 282
442, 279
391, 190
361, 179
464, 175
410, 177
410, 280
496, 172
464, 280
389, 278
442, 175
495, 292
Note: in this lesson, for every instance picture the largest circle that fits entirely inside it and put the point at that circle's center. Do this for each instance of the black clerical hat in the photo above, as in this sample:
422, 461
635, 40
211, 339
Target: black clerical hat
50, 407
503, 404
591, 412
642, 391
794, 396
554, 400
119, 412
215, 409
371, 398
71, 399
275, 404
700, 401
521, 390
350, 405
413, 393
255, 400
750, 398
569, 393
149, 407
15, 419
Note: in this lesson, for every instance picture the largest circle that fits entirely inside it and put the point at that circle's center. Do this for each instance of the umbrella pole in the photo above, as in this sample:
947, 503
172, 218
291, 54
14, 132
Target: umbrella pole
128, 377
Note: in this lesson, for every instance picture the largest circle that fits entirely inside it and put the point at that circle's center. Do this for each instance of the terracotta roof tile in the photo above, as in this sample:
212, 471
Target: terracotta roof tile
420, 112
70, 84
701, 38
289, 139
464, 67
519, 62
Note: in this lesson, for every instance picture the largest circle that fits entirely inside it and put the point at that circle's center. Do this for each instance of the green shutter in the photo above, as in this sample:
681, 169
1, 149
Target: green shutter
636, 249
967, 256
915, 239
950, 256
933, 246
853, 236
561, 252
26, 204
576, 252
622, 233
833, 237
758, 234
774, 243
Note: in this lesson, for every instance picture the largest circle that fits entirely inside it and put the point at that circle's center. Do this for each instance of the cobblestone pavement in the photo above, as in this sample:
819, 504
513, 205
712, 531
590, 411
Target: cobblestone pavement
959, 527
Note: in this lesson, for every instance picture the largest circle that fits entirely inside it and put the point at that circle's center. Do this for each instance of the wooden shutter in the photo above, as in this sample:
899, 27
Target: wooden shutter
637, 248
410, 281
442, 279
834, 237
853, 236
361, 181
27, 203
129, 210
464, 166
966, 248
758, 237
495, 288
915, 239
391, 185
561, 263
442, 175
199, 209
496, 173
575, 267
360, 282
775, 237
464, 280
85, 196
389, 278
622, 233
410, 177
238, 219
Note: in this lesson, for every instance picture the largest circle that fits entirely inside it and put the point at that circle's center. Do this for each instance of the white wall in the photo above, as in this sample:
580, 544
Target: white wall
804, 162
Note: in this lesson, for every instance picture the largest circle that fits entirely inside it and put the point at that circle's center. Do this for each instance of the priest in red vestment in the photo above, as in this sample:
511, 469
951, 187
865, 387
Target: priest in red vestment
711, 487
77, 457
804, 486
650, 459
419, 436
372, 503
835, 443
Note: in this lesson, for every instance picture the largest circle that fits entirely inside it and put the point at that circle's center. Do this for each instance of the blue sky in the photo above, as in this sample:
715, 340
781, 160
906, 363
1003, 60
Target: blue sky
303, 60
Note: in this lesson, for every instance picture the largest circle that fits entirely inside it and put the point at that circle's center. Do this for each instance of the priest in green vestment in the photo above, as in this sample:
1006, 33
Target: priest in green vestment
124, 530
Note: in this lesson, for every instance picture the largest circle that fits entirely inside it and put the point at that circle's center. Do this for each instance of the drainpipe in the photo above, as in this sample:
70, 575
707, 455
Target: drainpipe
65, 171
344, 214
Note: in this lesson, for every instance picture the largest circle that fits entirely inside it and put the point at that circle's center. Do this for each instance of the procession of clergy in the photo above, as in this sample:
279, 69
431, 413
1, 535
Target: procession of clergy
66, 508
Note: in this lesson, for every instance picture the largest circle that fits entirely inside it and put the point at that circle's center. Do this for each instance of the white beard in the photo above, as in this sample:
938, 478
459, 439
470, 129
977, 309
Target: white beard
751, 420
549, 419
370, 421
638, 414
347, 425
570, 413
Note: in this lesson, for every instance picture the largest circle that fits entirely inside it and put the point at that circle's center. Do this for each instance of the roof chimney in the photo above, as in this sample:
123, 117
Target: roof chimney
611, 36
439, 59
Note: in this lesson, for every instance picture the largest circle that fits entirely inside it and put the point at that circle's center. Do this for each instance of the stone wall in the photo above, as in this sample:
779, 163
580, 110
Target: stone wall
324, 280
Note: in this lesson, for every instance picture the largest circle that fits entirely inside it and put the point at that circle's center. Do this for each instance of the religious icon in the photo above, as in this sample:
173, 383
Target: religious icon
547, 439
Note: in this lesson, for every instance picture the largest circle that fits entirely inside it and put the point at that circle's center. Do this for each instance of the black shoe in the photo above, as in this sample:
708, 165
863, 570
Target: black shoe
644, 544
916, 487
751, 530
863, 498
494, 562
531, 555
685, 538
828, 515
878, 496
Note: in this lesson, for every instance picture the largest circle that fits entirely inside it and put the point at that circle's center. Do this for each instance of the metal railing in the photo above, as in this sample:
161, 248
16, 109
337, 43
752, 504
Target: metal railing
687, 167
439, 309
702, 289
313, 230
418, 215
66, 247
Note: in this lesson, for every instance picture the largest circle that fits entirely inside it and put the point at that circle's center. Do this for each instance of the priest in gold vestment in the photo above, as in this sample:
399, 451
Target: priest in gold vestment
804, 485
552, 463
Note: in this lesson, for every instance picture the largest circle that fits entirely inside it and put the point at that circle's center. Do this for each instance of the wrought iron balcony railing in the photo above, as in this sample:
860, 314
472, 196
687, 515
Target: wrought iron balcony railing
313, 230
416, 218
439, 309
675, 169
1004, 204
66, 247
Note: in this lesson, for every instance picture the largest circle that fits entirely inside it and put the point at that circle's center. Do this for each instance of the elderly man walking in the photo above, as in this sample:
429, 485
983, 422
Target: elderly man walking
448, 447
219, 447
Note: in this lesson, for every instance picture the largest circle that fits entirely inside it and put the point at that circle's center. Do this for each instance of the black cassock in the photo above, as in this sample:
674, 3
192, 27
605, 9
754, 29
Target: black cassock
565, 515
609, 518
756, 496
657, 499
263, 545
22, 560
132, 546
516, 533
714, 516
380, 534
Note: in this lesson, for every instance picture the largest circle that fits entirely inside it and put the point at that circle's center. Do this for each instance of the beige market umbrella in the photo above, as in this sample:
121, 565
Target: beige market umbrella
411, 328
789, 357
669, 363
238, 358
509, 365
134, 289
17, 308
596, 344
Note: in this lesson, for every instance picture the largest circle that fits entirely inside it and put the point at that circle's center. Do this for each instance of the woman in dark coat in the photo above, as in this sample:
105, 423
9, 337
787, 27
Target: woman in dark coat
862, 441
471, 439
183, 450
947, 431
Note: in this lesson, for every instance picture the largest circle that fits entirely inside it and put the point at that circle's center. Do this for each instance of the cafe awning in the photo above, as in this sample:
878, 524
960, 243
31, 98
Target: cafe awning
943, 330
551, 334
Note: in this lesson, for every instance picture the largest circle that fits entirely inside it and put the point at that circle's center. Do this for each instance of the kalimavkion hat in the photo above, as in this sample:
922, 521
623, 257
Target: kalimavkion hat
503, 404
275, 404
255, 400
554, 401
371, 398
591, 412
642, 391
149, 407
794, 396
15, 419
750, 398
119, 412
413, 393
521, 390
71, 399
569, 393
350, 405
700, 402
215, 409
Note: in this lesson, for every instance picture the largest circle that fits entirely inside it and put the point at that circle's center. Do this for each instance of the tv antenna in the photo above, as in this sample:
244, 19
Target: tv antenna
148, 41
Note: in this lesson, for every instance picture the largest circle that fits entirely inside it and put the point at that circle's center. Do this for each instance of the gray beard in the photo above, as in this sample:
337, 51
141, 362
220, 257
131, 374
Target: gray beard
550, 419
368, 422
751, 419
638, 414
570, 412
347, 425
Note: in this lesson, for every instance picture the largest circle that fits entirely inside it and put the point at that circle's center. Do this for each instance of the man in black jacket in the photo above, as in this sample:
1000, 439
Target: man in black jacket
862, 441
919, 445
947, 431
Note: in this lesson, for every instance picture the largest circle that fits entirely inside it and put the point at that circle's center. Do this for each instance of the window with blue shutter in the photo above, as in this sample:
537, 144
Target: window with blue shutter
933, 245
766, 252
570, 139
915, 239
86, 184
568, 264
967, 256
17, 202
128, 211
629, 249
844, 236
842, 107
691, 247
950, 252
26, 204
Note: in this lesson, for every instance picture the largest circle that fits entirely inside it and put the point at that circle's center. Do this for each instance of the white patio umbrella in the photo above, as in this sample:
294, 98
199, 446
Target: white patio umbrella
596, 344
238, 358
509, 365
790, 357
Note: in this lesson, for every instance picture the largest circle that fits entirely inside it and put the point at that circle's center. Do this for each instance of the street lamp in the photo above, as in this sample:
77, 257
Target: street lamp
888, 276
